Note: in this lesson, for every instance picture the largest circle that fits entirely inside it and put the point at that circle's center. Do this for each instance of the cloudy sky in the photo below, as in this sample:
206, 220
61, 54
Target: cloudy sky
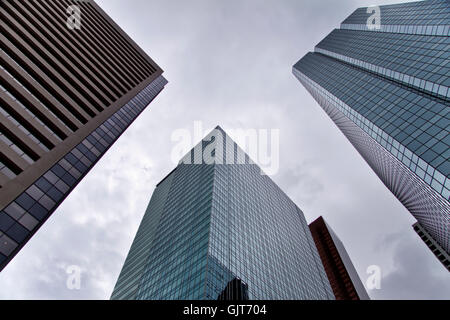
228, 63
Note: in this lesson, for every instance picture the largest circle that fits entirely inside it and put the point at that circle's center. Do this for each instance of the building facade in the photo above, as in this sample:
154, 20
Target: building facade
387, 89
66, 95
437, 250
236, 290
341, 273
216, 221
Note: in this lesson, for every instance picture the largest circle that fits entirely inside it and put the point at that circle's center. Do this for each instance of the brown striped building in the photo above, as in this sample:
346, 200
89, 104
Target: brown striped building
340, 271
67, 92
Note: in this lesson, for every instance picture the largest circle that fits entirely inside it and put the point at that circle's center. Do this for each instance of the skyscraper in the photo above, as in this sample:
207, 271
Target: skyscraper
216, 223
71, 82
339, 268
437, 250
386, 86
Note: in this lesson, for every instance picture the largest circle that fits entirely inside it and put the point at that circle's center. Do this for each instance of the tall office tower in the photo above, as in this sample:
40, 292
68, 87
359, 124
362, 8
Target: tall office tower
69, 88
341, 273
437, 250
216, 223
386, 86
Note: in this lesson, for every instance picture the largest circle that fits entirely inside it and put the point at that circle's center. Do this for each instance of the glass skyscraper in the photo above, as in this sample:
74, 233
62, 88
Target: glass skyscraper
217, 227
387, 89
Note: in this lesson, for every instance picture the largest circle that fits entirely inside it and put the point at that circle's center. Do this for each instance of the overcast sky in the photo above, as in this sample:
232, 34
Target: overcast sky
228, 62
